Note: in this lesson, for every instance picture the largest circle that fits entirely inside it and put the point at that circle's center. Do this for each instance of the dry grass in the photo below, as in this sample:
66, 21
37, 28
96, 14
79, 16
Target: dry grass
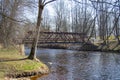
11, 62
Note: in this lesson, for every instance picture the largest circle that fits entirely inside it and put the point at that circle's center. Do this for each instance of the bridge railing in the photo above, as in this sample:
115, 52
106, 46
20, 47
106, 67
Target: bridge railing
54, 37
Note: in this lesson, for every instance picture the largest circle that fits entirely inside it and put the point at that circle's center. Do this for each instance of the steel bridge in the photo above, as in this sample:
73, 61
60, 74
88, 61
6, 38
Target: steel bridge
55, 38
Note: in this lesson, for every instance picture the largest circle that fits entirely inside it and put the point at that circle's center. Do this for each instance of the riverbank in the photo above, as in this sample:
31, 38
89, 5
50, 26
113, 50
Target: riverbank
14, 65
112, 47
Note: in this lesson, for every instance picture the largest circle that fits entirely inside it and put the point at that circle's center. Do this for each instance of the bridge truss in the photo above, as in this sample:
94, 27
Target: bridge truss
56, 38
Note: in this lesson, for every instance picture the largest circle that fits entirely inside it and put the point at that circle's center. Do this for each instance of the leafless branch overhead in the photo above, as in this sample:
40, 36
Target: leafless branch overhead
10, 18
49, 2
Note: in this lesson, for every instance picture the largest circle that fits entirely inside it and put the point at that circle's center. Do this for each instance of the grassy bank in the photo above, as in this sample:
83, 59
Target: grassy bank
111, 46
12, 62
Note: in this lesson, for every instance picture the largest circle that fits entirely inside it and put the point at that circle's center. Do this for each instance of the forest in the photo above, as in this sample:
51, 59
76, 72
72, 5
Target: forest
98, 20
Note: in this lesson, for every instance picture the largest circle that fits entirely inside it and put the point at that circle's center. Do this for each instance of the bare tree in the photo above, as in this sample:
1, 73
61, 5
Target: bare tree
41, 5
116, 22
9, 19
46, 20
82, 20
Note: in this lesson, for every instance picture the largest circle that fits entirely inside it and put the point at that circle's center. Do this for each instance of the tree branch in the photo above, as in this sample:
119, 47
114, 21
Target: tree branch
79, 2
82, 3
105, 3
10, 18
43, 1
49, 2
98, 2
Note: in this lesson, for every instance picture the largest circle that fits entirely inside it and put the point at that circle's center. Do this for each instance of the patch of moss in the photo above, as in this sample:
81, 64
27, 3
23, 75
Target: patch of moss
12, 62
26, 65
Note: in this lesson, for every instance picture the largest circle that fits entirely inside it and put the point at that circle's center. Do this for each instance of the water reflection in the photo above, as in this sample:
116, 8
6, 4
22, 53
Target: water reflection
75, 65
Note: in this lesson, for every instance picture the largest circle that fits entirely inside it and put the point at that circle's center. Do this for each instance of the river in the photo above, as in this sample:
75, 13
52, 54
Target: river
78, 65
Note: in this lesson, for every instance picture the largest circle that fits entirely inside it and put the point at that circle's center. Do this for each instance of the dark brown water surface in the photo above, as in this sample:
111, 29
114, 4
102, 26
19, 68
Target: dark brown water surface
77, 65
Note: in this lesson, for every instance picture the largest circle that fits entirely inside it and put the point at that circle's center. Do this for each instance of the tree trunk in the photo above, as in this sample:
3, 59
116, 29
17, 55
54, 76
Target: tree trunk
32, 55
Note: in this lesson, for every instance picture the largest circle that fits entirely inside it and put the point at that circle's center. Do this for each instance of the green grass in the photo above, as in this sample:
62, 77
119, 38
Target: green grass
1, 75
17, 66
10, 53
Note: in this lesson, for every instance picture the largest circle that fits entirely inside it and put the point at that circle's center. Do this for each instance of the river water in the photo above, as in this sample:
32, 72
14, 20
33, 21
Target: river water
78, 65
